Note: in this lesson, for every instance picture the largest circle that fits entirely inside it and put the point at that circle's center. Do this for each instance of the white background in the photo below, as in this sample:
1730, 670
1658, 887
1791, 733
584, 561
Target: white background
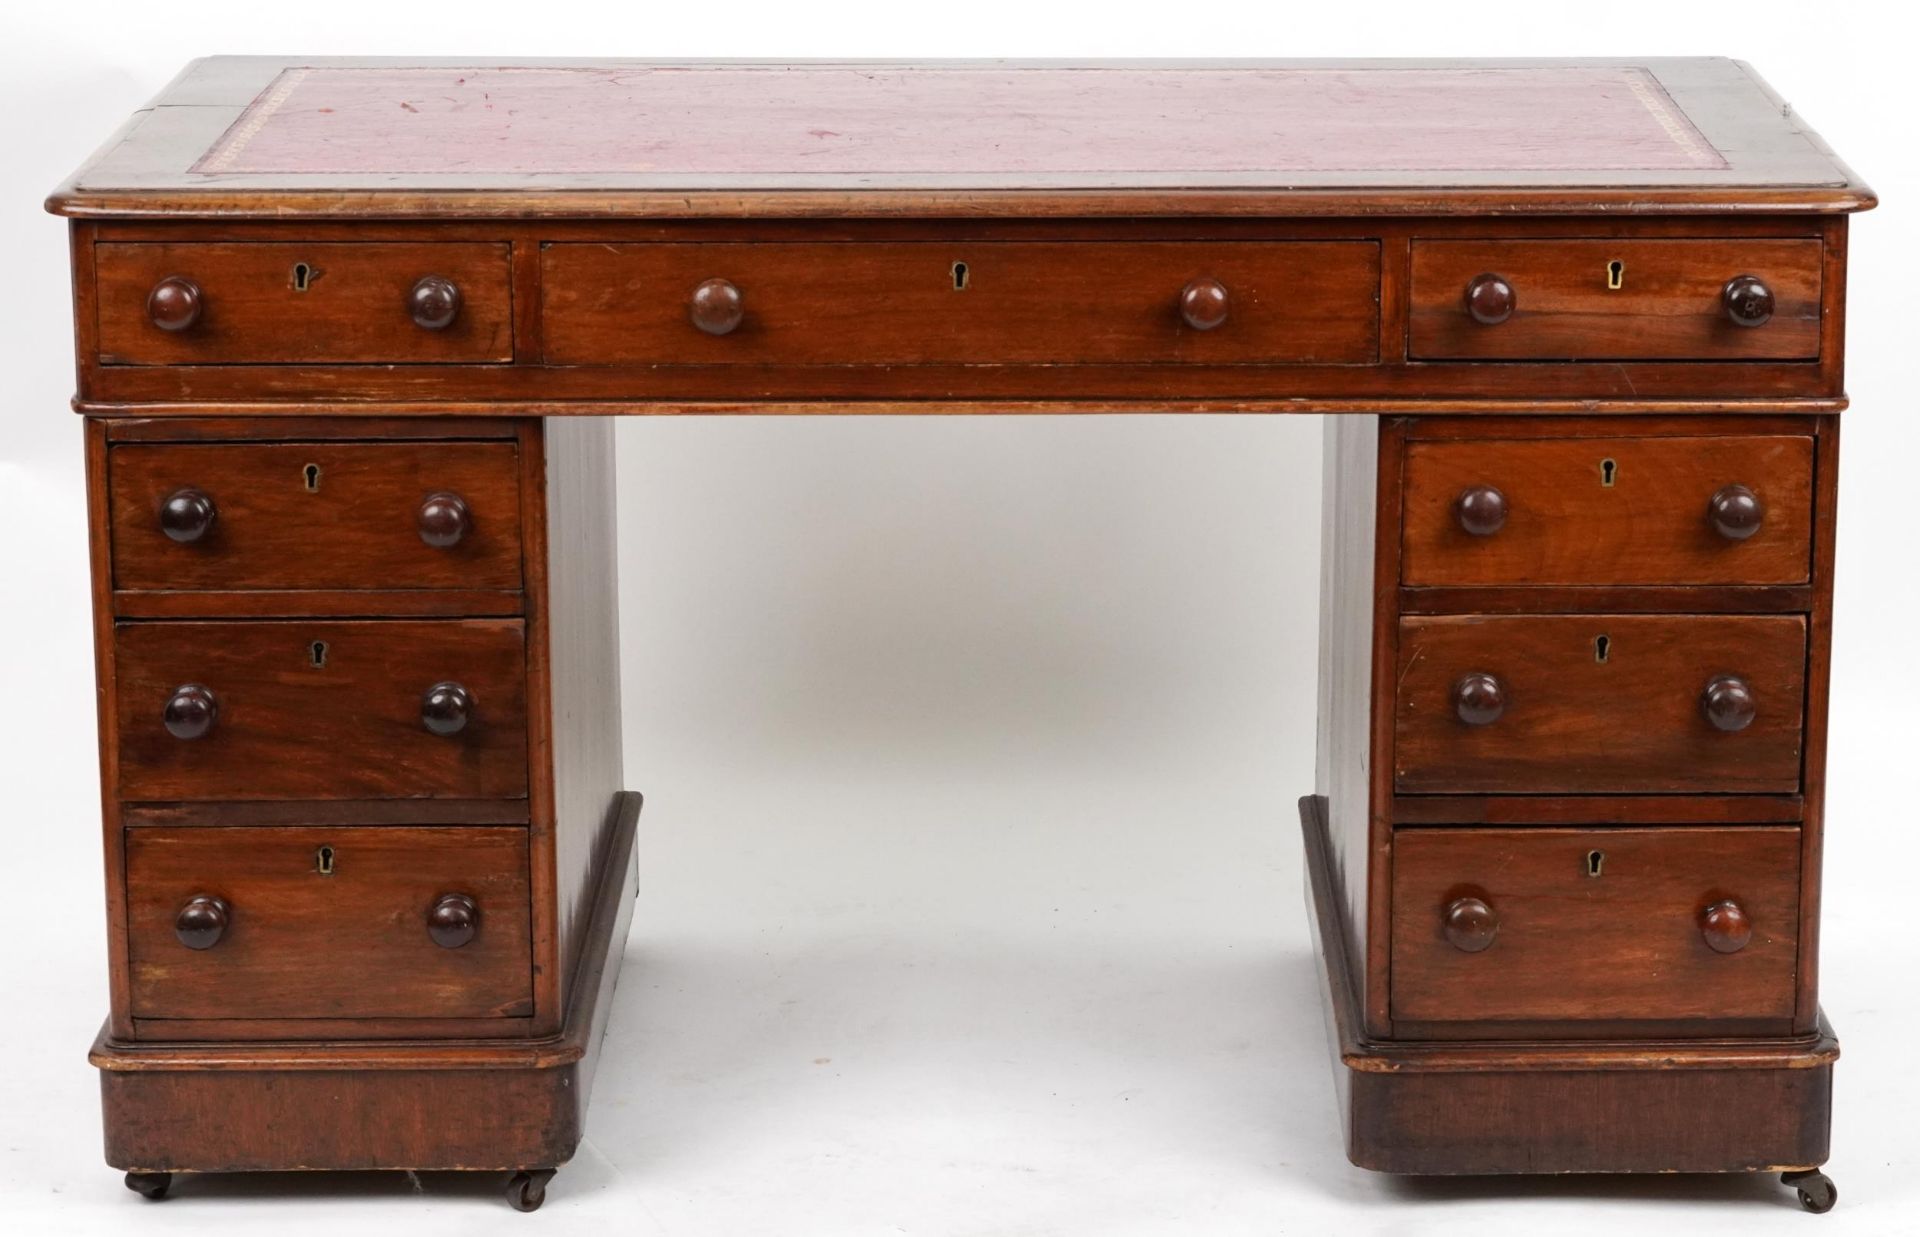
970, 898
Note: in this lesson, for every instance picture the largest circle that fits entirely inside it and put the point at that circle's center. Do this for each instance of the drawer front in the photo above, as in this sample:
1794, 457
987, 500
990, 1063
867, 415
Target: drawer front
1671, 303
319, 515
1496, 925
321, 710
1590, 703
322, 303
962, 303
1725, 510
244, 923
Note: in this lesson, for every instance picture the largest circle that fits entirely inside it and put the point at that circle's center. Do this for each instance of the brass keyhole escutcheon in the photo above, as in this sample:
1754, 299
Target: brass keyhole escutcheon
302, 276
317, 654
1616, 275
1596, 859
1609, 472
1602, 648
310, 478
323, 861
959, 276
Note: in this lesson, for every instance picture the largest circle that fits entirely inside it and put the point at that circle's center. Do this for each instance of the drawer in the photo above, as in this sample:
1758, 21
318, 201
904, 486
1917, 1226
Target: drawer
321, 710
1555, 300
290, 303
1599, 703
319, 515
977, 303
328, 923
1499, 925
1709, 510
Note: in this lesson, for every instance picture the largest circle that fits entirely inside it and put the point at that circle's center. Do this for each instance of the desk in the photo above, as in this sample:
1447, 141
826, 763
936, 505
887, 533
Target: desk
348, 335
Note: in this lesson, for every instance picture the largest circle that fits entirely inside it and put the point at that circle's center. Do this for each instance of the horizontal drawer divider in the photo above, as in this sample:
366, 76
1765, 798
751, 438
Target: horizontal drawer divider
1628, 809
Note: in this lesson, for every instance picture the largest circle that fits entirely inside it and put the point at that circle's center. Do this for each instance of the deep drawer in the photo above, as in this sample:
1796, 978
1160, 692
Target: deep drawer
965, 302
237, 923
333, 302
321, 710
1585, 703
1557, 300
315, 515
1616, 925
1708, 510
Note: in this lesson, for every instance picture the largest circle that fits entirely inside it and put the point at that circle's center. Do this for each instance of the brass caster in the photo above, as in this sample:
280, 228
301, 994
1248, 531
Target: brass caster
1818, 1194
527, 1189
150, 1185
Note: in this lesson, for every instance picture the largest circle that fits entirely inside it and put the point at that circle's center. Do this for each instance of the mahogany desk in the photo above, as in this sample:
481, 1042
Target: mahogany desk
348, 333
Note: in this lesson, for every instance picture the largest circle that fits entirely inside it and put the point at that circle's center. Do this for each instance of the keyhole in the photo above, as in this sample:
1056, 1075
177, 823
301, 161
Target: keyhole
1602, 645
1595, 859
302, 276
959, 276
311, 476
1616, 274
1608, 471
318, 652
323, 861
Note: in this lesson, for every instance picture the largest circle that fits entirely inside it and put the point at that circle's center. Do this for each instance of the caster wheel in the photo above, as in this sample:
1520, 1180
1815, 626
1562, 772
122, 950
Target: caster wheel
150, 1185
527, 1189
1818, 1194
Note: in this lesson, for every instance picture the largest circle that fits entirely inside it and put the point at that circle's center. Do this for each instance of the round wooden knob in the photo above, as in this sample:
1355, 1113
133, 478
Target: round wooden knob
190, 712
1736, 512
187, 515
1203, 304
444, 519
1726, 927
1749, 302
434, 303
201, 922
174, 303
1470, 925
1728, 703
1481, 510
716, 307
446, 708
1479, 699
452, 920
1489, 300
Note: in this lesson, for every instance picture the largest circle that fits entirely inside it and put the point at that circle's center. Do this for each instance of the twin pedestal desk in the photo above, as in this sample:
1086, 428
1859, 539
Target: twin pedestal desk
349, 333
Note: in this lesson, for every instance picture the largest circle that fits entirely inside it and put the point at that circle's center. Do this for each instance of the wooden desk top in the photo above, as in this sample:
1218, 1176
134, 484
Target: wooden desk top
277, 138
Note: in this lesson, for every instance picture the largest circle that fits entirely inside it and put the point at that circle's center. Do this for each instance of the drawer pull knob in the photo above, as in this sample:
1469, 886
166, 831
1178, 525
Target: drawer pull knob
1490, 300
1203, 304
434, 303
446, 708
452, 920
1726, 927
1728, 703
1479, 699
444, 520
201, 922
186, 515
174, 304
1736, 512
716, 307
1470, 925
1749, 301
1481, 510
190, 712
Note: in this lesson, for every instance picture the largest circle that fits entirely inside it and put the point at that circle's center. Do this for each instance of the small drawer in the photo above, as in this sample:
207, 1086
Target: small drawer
319, 303
236, 923
318, 515
393, 709
962, 303
1604, 300
1599, 703
1708, 510
1614, 925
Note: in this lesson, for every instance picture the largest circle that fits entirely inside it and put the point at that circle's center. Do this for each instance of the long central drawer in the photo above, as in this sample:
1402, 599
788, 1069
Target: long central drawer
962, 302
